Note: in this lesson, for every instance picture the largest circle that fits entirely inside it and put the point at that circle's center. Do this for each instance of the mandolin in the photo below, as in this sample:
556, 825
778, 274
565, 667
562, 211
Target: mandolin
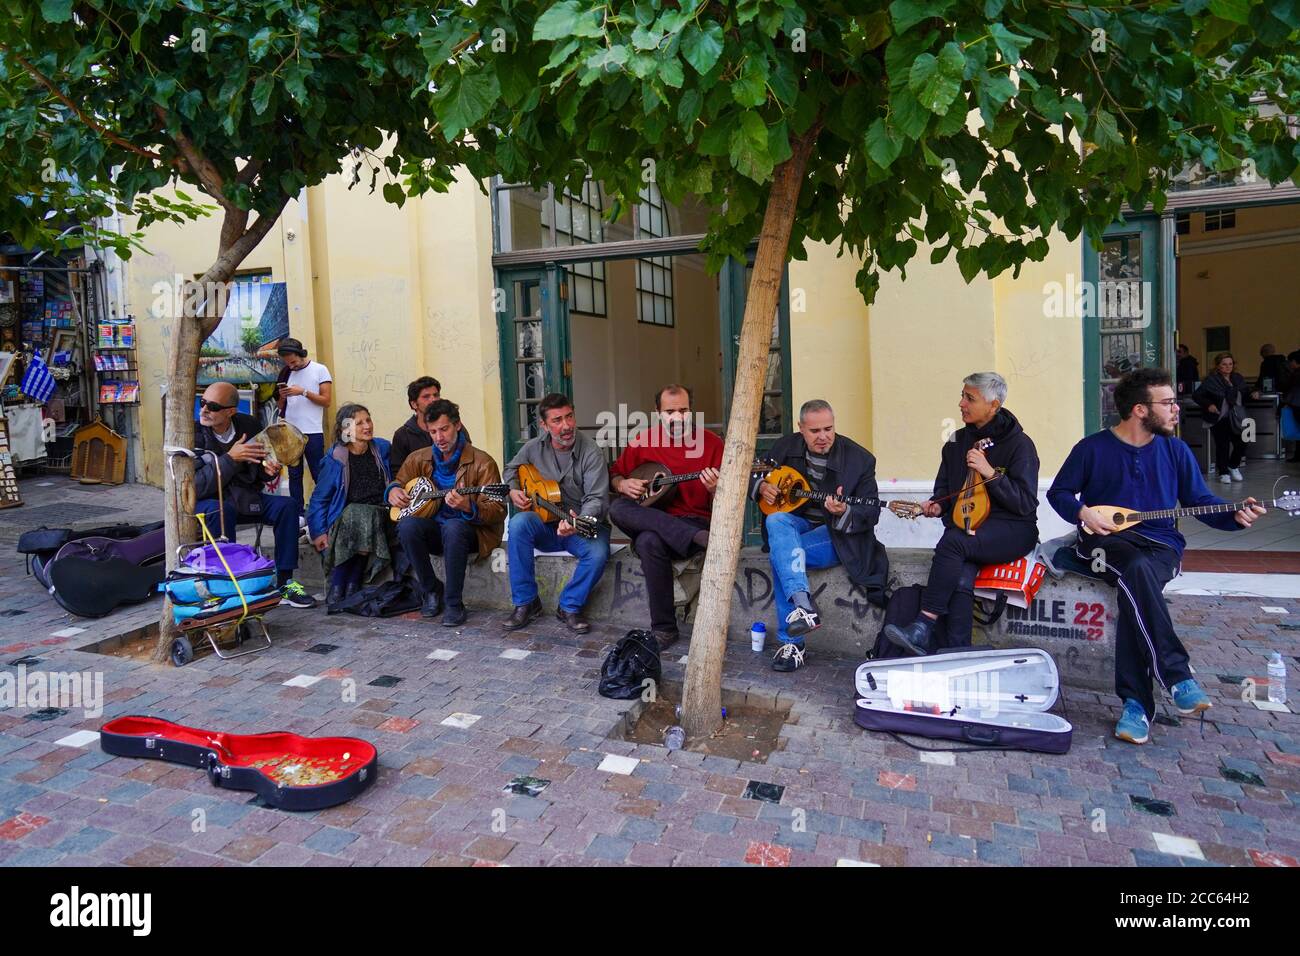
545, 498
426, 496
1127, 517
971, 509
792, 490
662, 483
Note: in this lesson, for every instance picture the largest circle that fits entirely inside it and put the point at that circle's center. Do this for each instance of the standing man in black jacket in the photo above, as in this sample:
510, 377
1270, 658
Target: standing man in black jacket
820, 535
1009, 470
240, 469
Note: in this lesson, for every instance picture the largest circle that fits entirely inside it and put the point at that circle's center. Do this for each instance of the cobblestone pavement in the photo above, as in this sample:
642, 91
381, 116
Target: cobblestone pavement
473, 708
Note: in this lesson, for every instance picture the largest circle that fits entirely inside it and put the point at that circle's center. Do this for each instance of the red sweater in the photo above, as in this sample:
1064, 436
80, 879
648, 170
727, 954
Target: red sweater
692, 499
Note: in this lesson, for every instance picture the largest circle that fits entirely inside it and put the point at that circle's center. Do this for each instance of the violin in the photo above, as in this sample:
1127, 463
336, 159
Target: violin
972, 506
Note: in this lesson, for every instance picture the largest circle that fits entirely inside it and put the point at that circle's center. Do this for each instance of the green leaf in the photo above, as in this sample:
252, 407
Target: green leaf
908, 13
394, 193
883, 144
936, 81
567, 19
1105, 130
702, 47
262, 93
644, 39
560, 54
1238, 11
689, 107
750, 88
259, 45
56, 11
1009, 44
968, 261
909, 117
749, 153
465, 101
670, 71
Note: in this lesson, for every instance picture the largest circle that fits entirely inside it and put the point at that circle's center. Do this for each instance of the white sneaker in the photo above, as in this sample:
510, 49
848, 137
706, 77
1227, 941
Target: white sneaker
1225, 480
1236, 474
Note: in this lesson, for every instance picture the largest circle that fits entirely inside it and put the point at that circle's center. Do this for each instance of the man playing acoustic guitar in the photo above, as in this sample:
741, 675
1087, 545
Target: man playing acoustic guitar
461, 525
564, 455
681, 526
821, 534
1139, 464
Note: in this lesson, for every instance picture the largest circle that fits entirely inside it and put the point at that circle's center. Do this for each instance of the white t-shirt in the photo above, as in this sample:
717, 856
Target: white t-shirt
299, 410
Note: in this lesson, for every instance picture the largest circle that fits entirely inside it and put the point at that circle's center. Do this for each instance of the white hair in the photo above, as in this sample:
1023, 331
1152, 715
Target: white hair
989, 384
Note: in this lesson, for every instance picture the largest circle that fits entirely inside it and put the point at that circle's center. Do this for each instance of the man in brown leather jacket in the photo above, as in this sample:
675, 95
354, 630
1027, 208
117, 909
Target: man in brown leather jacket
461, 524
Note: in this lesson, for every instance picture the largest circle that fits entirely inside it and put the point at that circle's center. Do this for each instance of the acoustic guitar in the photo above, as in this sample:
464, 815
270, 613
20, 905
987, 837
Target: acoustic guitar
1127, 517
661, 483
426, 497
545, 499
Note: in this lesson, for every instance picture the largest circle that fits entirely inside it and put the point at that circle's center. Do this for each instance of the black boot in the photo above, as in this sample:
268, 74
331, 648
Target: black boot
432, 604
804, 617
914, 638
336, 594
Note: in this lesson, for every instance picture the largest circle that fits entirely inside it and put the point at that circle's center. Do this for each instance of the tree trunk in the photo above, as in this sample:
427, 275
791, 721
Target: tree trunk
702, 703
187, 334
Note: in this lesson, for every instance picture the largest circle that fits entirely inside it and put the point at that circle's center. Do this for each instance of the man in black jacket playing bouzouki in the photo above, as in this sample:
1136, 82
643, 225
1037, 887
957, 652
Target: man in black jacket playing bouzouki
1008, 469
820, 534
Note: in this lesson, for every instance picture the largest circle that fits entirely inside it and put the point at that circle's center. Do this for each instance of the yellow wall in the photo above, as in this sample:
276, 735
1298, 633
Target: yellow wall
1250, 288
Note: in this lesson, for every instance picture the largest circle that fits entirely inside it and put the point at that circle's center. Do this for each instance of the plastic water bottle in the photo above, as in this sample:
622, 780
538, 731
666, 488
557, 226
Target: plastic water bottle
758, 635
1276, 678
674, 738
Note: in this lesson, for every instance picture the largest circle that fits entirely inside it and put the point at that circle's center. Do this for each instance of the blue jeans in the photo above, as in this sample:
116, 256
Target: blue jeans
311, 457
528, 533
786, 535
277, 511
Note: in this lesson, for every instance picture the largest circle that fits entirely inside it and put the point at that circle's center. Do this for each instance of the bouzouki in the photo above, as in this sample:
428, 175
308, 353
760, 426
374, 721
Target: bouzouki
1127, 517
792, 490
545, 499
426, 497
972, 505
661, 483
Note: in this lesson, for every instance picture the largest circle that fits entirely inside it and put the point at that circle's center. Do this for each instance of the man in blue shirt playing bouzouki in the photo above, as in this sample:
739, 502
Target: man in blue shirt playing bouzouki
1139, 464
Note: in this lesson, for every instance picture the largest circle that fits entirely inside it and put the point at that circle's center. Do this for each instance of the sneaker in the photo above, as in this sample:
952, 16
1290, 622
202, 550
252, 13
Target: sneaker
1225, 479
1133, 725
1189, 698
295, 595
1236, 474
804, 617
790, 657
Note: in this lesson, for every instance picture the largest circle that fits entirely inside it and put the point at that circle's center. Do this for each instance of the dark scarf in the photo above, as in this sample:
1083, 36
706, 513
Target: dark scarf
444, 469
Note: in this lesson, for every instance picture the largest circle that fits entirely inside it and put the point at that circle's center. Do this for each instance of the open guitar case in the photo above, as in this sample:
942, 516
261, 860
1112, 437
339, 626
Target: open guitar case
248, 761
997, 699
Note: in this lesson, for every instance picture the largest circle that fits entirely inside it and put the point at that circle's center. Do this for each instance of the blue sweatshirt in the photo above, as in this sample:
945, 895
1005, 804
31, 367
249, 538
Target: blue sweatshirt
1102, 470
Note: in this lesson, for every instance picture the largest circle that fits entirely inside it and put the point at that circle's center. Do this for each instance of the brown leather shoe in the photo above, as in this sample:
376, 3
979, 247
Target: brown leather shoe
523, 614
666, 639
574, 620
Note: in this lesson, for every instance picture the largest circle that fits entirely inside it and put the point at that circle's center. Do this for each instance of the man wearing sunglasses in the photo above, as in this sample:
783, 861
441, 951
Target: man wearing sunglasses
241, 469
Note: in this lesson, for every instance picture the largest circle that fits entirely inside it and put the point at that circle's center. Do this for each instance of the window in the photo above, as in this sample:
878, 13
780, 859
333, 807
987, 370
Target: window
1183, 223
1218, 219
654, 277
578, 222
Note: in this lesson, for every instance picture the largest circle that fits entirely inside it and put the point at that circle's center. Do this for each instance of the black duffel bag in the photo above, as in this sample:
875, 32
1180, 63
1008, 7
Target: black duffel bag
629, 664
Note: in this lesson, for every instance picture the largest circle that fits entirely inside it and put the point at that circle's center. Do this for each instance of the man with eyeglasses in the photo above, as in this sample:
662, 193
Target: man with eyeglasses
1140, 464
242, 470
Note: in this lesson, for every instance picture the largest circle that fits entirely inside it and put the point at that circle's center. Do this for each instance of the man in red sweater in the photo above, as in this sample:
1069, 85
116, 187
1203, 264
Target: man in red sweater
678, 525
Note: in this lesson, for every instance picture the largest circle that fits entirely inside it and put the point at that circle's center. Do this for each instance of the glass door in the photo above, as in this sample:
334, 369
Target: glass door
534, 336
1120, 306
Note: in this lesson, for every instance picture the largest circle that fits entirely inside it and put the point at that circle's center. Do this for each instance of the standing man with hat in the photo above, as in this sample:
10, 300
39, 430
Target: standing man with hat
306, 394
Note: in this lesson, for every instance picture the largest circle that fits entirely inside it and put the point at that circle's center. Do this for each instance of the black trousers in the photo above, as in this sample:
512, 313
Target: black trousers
958, 557
454, 539
1145, 642
1229, 449
659, 539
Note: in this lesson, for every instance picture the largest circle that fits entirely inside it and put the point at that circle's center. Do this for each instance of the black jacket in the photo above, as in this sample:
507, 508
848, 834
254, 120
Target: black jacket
410, 437
1013, 494
854, 539
1224, 396
241, 482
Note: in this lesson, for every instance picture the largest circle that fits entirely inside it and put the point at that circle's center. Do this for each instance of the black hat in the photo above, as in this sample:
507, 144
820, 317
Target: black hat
291, 345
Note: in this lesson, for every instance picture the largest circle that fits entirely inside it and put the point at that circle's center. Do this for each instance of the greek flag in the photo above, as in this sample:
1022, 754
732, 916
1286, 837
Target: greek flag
38, 383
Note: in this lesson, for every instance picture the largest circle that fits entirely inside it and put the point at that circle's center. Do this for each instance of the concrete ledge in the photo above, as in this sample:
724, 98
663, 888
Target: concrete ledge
1073, 619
